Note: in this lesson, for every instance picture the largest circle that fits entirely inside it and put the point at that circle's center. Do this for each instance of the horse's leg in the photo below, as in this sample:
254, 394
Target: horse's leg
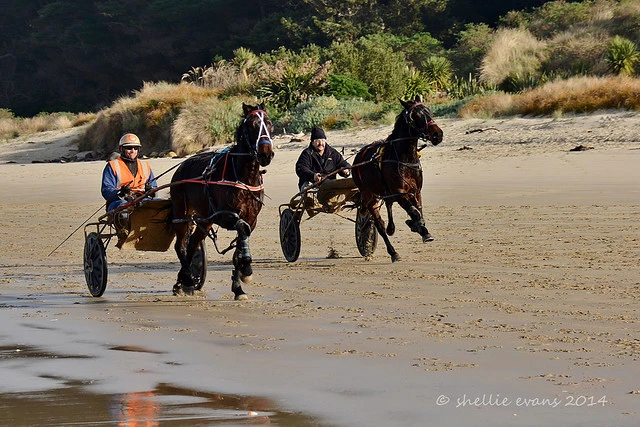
242, 271
416, 223
374, 207
185, 278
391, 227
182, 237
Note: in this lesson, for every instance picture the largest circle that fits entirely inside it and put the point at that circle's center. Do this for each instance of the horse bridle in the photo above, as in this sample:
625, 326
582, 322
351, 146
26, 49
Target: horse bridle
264, 137
423, 133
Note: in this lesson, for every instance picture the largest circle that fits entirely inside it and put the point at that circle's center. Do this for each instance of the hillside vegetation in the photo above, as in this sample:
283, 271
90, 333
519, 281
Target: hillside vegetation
558, 58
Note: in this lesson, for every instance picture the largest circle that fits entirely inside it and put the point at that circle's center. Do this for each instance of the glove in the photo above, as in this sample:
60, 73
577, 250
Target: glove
124, 191
147, 187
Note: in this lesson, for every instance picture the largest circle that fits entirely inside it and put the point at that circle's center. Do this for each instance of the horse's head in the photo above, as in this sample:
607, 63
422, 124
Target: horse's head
255, 132
420, 119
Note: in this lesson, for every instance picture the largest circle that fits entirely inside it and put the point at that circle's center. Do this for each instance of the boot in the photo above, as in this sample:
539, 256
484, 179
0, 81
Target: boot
121, 223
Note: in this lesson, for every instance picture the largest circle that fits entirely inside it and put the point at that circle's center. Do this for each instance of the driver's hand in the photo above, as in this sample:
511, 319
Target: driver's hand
124, 191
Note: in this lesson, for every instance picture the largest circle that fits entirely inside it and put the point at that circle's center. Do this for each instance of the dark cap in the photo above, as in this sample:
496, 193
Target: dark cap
317, 133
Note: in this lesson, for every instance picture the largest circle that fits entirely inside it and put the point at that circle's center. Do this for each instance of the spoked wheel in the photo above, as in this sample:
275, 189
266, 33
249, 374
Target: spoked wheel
95, 264
290, 235
366, 233
199, 266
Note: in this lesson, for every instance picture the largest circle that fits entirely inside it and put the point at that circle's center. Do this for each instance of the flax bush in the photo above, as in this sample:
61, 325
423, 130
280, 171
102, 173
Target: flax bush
622, 56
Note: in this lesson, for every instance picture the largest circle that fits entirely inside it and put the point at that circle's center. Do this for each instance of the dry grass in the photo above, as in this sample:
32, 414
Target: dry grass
494, 105
149, 113
581, 95
577, 51
514, 52
12, 127
574, 95
227, 79
206, 124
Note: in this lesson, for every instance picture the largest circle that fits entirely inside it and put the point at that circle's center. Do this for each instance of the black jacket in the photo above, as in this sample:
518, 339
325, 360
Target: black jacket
310, 162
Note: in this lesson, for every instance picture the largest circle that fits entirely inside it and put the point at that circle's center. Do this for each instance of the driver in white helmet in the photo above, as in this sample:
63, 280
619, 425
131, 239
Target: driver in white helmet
125, 178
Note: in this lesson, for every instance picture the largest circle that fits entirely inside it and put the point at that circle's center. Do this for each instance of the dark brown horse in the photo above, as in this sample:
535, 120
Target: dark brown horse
226, 189
390, 171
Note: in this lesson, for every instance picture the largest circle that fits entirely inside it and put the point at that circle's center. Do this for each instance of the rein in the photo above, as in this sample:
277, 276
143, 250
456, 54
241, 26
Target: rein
236, 184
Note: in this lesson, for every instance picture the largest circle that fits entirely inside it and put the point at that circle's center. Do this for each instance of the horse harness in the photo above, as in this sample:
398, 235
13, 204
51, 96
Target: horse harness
381, 146
222, 158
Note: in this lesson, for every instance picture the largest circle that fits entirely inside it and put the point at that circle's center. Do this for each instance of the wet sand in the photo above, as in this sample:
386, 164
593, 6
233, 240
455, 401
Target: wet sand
523, 311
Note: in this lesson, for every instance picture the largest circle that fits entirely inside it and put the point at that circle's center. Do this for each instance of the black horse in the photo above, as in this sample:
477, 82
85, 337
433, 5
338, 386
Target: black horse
390, 171
226, 189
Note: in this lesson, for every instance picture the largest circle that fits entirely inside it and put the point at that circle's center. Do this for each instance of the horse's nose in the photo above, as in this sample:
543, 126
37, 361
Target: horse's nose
265, 158
436, 136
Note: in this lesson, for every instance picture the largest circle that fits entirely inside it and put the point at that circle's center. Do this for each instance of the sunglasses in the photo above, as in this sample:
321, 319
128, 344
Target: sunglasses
132, 148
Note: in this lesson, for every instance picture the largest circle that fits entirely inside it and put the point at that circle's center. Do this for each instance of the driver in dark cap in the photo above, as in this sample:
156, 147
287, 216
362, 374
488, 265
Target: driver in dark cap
319, 160
319, 164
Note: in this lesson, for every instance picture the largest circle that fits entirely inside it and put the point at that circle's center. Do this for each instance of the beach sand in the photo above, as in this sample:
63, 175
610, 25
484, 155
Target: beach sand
522, 312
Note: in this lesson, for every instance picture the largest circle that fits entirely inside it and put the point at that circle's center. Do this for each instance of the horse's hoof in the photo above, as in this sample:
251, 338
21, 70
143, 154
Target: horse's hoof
246, 279
177, 288
241, 297
395, 257
391, 229
184, 290
427, 238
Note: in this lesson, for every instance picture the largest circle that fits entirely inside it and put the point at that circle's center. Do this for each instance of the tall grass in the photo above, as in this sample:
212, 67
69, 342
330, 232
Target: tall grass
574, 95
578, 51
149, 113
206, 124
515, 52
12, 127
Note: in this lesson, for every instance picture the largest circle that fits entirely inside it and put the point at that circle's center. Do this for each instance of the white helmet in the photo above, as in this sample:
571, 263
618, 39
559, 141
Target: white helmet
129, 139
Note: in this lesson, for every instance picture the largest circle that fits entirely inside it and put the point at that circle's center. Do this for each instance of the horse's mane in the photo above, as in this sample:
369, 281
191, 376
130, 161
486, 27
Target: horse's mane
239, 129
396, 126
400, 121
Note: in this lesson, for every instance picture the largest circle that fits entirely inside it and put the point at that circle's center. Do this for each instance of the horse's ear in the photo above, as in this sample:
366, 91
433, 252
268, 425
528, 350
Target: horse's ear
418, 99
262, 107
405, 104
246, 109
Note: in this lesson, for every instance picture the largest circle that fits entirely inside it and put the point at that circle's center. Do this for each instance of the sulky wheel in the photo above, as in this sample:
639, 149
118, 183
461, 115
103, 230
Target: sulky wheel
95, 264
290, 235
199, 266
366, 233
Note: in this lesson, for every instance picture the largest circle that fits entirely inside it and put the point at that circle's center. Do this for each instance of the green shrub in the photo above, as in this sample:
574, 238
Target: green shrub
472, 44
329, 113
551, 18
344, 86
417, 48
578, 51
373, 61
